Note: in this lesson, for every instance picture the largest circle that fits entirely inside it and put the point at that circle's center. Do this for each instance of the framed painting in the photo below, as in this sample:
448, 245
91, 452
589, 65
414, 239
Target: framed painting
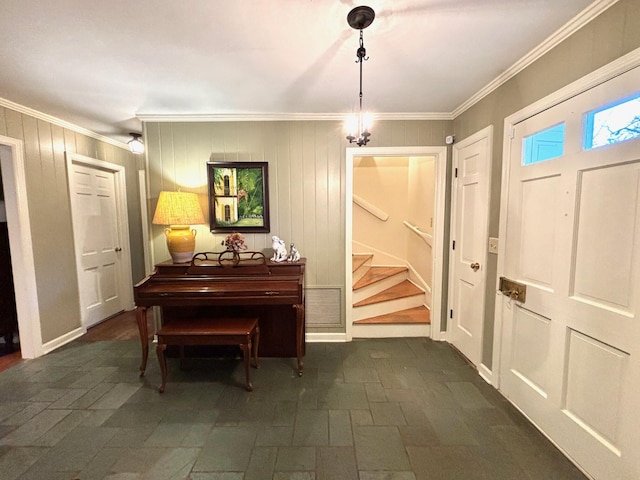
238, 196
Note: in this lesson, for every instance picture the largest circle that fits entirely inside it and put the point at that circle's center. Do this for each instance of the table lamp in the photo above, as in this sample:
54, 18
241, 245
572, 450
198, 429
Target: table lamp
179, 210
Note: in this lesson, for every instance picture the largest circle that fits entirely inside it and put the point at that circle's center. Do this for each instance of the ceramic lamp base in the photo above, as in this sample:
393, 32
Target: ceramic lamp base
181, 242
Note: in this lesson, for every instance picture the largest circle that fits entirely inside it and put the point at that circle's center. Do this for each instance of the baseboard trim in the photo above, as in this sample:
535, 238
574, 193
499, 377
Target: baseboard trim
373, 330
326, 337
486, 373
63, 340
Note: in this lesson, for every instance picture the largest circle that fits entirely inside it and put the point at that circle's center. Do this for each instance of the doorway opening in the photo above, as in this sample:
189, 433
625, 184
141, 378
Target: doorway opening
428, 236
9, 337
20, 244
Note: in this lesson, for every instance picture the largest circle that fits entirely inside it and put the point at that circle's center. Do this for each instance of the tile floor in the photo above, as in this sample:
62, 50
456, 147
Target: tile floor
392, 409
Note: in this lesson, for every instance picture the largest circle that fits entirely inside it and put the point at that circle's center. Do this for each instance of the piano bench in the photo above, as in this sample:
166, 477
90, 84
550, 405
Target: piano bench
243, 332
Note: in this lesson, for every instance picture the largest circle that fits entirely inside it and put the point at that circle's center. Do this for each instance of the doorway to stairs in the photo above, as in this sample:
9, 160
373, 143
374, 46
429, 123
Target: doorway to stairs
411, 209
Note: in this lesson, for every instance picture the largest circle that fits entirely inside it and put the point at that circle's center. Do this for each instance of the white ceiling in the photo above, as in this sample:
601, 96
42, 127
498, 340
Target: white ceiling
99, 64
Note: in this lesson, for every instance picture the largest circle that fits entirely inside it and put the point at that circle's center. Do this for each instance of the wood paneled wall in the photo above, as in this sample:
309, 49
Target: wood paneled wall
306, 180
45, 145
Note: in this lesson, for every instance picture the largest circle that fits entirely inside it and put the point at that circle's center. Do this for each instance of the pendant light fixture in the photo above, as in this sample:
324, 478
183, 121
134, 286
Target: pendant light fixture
135, 144
358, 126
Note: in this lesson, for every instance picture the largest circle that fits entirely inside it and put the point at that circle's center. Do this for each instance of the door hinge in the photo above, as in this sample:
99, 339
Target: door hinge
450, 313
456, 172
454, 245
512, 132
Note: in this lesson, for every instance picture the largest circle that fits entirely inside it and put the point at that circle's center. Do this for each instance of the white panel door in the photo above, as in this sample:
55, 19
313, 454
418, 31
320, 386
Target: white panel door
471, 162
97, 242
570, 352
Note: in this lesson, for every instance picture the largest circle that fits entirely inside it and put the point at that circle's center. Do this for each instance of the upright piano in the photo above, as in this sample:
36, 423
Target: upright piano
218, 285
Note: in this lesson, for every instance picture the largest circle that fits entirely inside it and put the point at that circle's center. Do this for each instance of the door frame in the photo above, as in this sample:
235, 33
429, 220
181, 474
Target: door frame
601, 75
20, 242
485, 133
440, 154
122, 219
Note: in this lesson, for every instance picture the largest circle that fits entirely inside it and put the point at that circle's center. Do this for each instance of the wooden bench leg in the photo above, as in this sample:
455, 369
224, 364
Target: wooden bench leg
246, 353
162, 359
249, 350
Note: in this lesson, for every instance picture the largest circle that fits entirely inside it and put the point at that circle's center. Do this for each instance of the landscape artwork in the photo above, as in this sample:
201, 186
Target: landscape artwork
238, 196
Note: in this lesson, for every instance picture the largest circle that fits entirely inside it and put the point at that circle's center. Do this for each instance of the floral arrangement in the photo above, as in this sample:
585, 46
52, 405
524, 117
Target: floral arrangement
234, 242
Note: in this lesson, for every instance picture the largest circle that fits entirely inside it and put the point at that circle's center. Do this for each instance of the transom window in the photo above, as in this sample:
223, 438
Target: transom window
613, 123
543, 145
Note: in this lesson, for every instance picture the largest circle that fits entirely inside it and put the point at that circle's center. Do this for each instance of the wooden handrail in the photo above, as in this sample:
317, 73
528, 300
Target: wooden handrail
427, 237
370, 208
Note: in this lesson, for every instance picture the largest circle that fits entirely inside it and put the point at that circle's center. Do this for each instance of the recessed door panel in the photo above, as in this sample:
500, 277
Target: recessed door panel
538, 207
595, 376
605, 241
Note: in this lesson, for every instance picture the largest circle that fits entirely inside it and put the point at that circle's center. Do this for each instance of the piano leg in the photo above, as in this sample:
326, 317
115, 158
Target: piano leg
256, 343
299, 336
141, 317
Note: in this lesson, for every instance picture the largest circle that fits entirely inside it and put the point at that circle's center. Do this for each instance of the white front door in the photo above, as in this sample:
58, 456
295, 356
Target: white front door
570, 352
471, 164
98, 242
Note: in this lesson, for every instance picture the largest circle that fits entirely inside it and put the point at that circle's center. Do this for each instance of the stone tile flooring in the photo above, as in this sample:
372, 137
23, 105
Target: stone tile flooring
391, 409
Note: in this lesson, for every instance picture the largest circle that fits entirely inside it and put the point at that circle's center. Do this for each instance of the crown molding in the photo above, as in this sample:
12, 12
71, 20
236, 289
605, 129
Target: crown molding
413, 116
283, 117
61, 123
569, 28
235, 117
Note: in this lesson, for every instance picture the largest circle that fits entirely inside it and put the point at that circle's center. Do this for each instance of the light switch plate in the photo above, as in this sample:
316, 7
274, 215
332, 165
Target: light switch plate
493, 245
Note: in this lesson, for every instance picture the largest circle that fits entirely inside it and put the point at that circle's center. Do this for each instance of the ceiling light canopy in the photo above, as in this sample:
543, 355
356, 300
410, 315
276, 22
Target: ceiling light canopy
358, 125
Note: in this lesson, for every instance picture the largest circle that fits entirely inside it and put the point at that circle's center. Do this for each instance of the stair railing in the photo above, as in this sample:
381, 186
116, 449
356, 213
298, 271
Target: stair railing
370, 208
428, 238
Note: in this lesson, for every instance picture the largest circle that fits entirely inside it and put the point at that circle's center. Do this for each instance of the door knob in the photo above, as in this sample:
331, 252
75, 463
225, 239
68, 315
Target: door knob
118, 249
475, 266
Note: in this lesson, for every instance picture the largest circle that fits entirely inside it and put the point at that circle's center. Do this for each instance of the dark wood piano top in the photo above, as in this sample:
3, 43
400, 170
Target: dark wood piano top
256, 282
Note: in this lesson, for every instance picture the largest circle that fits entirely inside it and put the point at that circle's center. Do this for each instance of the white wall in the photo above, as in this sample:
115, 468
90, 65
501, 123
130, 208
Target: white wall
382, 182
403, 188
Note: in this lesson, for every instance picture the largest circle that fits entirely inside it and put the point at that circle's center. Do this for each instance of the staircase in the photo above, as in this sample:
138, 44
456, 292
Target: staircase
385, 302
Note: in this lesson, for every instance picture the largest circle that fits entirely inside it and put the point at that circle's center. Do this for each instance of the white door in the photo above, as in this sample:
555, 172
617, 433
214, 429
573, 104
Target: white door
471, 164
570, 351
97, 242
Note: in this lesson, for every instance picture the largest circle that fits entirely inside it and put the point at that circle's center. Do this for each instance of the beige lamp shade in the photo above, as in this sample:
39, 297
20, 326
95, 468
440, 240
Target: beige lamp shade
179, 210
